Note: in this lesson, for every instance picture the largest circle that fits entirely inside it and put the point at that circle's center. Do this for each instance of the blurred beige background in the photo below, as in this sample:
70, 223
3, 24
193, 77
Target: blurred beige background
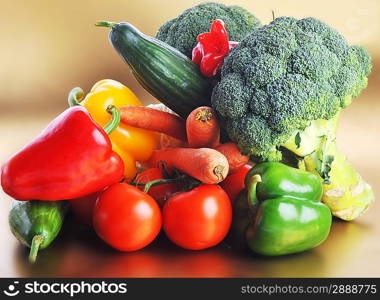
48, 47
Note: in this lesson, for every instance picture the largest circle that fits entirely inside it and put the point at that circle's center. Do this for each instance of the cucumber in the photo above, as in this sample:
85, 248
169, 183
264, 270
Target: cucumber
162, 70
36, 223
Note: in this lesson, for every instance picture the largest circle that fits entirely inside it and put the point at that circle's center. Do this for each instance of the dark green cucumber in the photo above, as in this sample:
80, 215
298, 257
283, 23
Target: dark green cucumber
162, 70
36, 223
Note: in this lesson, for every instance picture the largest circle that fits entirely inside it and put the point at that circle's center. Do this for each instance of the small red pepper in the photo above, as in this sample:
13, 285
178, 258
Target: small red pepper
71, 158
211, 49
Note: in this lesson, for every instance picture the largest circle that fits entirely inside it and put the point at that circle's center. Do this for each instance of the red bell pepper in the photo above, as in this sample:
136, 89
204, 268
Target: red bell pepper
211, 49
71, 158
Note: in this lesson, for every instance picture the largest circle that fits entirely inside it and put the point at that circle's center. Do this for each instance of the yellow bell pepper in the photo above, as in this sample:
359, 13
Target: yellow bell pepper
132, 144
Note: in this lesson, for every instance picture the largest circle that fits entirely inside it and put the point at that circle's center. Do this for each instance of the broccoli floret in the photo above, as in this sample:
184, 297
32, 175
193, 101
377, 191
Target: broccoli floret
182, 32
282, 89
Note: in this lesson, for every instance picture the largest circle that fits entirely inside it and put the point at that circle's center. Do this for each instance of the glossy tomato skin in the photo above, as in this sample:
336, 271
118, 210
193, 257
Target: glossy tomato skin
198, 219
126, 218
234, 183
160, 192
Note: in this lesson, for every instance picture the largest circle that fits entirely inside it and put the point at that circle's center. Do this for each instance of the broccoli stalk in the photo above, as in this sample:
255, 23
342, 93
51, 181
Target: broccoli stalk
345, 191
280, 95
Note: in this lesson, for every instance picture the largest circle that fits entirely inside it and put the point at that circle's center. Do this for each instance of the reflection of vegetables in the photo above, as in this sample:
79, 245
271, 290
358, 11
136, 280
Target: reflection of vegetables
126, 218
36, 223
235, 159
286, 215
202, 128
129, 142
163, 71
181, 32
199, 218
154, 120
282, 88
206, 165
211, 49
234, 183
71, 158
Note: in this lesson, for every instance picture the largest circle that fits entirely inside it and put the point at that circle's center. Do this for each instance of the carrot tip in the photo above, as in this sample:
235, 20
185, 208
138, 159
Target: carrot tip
218, 171
204, 115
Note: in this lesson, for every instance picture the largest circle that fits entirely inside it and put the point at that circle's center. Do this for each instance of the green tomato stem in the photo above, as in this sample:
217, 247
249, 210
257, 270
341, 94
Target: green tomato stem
152, 183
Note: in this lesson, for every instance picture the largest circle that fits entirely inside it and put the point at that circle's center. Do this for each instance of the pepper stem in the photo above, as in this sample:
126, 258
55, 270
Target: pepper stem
34, 247
252, 191
106, 24
112, 125
75, 96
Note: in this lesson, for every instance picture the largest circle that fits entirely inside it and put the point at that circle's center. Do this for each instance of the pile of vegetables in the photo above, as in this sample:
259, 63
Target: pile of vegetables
243, 142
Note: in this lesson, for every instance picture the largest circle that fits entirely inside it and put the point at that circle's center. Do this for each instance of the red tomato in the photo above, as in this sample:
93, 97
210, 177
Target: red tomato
234, 183
161, 192
83, 207
126, 218
198, 219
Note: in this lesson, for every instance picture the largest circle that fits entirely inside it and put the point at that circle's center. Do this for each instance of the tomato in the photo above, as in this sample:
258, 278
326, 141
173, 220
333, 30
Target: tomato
198, 219
83, 207
126, 218
160, 192
234, 183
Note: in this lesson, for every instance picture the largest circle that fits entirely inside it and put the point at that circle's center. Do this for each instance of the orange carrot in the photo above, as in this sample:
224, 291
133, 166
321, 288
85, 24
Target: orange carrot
165, 141
235, 159
206, 165
202, 128
155, 120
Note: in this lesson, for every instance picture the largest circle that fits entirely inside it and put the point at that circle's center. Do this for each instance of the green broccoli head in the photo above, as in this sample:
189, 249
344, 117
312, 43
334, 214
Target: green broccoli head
282, 77
182, 32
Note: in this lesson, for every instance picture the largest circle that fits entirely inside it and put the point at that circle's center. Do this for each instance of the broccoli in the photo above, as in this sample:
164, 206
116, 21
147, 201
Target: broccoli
181, 32
280, 95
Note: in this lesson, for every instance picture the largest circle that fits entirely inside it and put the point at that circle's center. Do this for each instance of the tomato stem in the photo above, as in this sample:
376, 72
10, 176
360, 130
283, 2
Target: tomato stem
152, 183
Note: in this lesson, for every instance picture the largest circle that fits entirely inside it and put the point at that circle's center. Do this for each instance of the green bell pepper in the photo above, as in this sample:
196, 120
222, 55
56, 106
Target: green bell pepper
280, 211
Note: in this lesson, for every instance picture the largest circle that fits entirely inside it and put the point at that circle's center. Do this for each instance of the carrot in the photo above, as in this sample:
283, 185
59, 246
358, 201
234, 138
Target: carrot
165, 141
206, 165
235, 159
155, 120
202, 128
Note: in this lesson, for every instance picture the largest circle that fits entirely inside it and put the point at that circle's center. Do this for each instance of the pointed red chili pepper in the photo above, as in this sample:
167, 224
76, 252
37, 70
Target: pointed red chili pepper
211, 49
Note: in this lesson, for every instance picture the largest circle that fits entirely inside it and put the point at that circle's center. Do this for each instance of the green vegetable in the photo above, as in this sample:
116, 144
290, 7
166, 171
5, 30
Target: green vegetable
182, 32
285, 213
282, 89
36, 223
162, 70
